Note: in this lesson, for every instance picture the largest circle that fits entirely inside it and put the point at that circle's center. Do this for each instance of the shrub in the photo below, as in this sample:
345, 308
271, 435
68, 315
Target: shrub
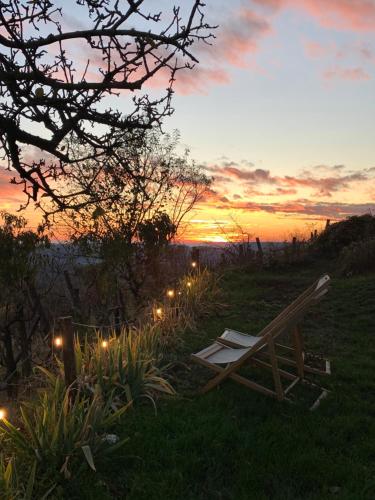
195, 295
341, 234
357, 258
60, 432
9, 485
125, 367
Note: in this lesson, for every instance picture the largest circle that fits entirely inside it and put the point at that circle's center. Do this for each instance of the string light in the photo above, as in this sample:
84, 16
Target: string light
3, 414
58, 341
159, 312
105, 344
194, 264
170, 294
188, 284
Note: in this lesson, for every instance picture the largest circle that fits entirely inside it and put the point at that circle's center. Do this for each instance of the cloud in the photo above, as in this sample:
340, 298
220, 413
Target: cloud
323, 181
304, 207
354, 15
240, 36
350, 74
317, 50
10, 194
256, 176
198, 79
236, 39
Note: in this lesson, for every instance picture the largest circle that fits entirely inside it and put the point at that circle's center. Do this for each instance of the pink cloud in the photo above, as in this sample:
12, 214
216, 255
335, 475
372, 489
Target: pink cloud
240, 36
356, 15
334, 181
350, 74
317, 50
236, 39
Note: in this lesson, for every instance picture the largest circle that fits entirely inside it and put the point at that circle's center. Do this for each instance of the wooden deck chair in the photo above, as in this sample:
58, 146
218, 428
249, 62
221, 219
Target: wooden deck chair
234, 349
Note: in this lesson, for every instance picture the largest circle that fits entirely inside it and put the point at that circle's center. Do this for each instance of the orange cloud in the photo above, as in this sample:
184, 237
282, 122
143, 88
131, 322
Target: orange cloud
303, 207
10, 194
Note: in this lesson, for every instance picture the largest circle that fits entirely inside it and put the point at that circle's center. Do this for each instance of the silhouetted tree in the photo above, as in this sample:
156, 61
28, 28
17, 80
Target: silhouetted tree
143, 198
19, 314
55, 81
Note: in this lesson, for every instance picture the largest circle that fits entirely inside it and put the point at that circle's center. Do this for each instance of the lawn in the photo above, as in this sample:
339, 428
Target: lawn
233, 443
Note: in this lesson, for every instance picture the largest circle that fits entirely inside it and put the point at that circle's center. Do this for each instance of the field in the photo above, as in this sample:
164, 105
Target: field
233, 443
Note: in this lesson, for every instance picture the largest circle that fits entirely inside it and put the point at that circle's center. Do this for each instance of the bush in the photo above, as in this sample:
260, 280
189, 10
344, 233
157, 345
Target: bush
60, 432
341, 234
124, 367
357, 258
195, 295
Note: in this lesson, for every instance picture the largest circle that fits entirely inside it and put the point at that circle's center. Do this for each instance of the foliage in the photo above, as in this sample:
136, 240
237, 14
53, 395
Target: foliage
8, 479
341, 234
45, 81
61, 432
140, 206
238, 444
125, 367
19, 316
17, 248
195, 296
358, 257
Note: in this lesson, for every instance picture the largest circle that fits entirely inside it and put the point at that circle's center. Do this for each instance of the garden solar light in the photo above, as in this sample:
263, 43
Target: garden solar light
3, 413
193, 264
159, 312
170, 294
105, 344
58, 342
188, 284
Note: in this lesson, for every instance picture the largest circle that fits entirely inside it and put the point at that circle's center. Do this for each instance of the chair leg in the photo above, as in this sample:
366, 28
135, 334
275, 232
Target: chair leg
298, 344
211, 384
275, 369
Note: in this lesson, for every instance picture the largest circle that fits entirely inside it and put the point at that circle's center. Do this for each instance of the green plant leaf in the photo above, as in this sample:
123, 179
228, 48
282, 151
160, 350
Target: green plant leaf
31, 482
88, 455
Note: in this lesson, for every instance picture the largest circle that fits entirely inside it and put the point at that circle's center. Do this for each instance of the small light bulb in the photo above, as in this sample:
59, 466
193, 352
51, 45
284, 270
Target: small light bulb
170, 294
105, 344
58, 342
188, 284
193, 264
159, 312
3, 414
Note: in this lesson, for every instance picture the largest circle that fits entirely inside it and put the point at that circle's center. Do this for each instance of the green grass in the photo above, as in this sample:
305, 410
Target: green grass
233, 443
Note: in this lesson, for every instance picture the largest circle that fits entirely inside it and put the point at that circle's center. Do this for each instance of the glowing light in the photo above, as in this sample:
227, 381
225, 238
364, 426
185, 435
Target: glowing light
105, 344
170, 294
188, 284
193, 264
159, 312
58, 341
3, 414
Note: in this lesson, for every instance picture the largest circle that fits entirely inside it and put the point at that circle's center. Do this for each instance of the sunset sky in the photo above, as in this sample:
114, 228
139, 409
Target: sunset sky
280, 112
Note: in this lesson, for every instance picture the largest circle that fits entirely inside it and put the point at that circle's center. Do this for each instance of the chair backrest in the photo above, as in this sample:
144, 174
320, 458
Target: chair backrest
286, 319
294, 312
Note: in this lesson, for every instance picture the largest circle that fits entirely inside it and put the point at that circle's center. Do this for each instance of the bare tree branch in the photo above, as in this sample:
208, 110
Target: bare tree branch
55, 82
